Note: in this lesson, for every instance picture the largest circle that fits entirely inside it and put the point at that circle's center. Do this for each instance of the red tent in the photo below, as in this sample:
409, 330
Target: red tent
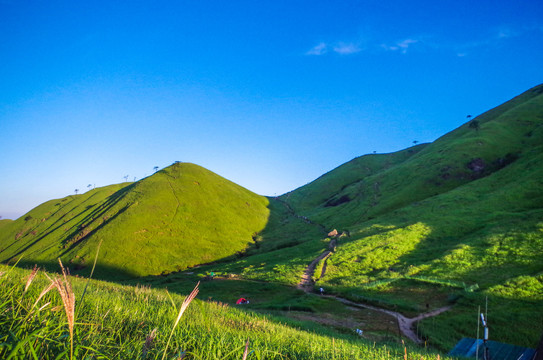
241, 301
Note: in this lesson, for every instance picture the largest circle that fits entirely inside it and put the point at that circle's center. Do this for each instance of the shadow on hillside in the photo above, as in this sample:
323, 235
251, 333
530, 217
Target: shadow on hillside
101, 273
78, 229
283, 230
81, 230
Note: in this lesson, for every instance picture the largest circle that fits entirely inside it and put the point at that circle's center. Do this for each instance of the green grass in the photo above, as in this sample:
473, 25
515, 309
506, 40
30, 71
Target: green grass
114, 321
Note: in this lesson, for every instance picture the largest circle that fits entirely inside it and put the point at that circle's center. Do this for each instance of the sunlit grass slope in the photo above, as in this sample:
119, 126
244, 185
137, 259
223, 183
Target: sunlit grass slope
181, 216
4, 222
125, 322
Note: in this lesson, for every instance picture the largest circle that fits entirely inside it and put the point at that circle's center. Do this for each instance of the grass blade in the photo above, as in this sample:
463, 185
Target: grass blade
184, 306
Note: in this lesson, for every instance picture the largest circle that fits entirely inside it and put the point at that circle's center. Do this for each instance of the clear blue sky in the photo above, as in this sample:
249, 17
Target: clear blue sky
269, 94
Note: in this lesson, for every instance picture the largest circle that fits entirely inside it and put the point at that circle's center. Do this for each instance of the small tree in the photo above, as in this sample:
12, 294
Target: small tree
155, 168
76, 191
415, 142
126, 178
474, 124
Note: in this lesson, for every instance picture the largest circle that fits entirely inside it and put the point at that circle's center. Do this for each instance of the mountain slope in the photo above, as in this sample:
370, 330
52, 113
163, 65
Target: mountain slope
427, 228
181, 216
376, 184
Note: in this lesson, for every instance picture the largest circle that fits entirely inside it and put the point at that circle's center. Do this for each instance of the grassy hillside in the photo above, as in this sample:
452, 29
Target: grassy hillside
181, 216
4, 222
126, 322
428, 223
456, 222
372, 185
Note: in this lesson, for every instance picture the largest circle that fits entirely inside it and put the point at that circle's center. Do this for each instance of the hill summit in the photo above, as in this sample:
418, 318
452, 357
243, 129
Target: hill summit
179, 217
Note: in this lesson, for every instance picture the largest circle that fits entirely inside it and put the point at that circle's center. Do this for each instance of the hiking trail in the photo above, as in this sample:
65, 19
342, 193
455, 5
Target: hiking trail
404, 323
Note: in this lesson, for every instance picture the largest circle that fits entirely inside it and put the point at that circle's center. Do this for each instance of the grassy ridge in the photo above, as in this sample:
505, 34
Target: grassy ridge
179, 217
374, 185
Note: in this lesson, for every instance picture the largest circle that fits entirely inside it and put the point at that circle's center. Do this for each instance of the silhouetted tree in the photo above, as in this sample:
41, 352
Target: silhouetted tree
89, 186
155, 168
76, 191
474, 124
126, 178
415, 142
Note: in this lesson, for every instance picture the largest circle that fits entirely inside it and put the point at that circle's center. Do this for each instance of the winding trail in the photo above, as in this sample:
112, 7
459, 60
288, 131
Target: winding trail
405, 324
306, 283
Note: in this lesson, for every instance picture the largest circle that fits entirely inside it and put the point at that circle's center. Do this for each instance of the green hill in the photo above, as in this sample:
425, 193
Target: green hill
464, 211
372, 185
179, 217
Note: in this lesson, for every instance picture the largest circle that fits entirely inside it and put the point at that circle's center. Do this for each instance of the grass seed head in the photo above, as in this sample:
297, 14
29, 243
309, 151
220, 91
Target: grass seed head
31, 277
67, 295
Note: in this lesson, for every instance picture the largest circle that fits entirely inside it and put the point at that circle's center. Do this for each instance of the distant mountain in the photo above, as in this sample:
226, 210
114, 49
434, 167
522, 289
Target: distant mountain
181, 216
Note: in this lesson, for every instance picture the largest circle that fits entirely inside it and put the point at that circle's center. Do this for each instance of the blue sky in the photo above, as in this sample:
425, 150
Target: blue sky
268, 94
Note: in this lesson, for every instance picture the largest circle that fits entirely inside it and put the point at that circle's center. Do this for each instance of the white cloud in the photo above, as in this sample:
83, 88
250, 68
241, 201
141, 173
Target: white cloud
401, 45
346, 49
319, 49
339, 48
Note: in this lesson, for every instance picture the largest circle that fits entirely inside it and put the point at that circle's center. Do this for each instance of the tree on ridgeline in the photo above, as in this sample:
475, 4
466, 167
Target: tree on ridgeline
474, 124
76, 191
155, 168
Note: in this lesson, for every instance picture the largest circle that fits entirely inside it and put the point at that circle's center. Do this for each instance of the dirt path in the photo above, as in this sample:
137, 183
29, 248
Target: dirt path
306, 282
405, 324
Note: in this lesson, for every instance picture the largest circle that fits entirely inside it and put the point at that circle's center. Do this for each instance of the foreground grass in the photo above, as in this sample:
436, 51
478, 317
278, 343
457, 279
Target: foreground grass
125, 322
